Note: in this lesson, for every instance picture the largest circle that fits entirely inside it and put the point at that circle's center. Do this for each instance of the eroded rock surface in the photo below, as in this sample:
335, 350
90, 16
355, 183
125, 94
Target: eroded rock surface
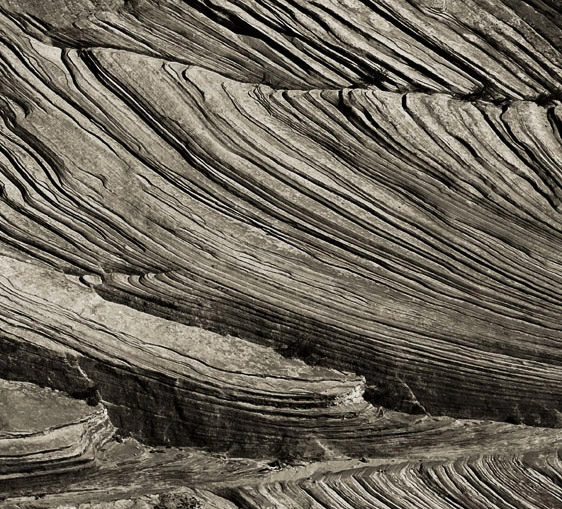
283, 232
44, 433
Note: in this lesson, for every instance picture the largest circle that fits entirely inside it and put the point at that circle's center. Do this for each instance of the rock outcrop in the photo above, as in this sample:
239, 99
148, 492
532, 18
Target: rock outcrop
44, 433
285, 231
502, 49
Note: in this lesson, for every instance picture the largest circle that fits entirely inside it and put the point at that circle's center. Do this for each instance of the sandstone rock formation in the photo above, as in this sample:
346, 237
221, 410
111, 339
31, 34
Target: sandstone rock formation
285, 253
46, 433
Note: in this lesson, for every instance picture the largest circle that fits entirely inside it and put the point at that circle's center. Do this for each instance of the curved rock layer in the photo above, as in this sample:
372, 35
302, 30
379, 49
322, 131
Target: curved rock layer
489, 482
504, 49
438, 472
46, 433
169, 383
411, 238
324, 236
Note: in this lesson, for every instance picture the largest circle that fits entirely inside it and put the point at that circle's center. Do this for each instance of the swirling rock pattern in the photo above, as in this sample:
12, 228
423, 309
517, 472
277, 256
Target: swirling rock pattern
196, 197
446, 469
45, 433
169, 383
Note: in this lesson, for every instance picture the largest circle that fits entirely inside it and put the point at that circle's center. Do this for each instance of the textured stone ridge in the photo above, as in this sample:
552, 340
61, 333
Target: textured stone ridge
488, 481
465, 464
286, 253
46, 433
167, 383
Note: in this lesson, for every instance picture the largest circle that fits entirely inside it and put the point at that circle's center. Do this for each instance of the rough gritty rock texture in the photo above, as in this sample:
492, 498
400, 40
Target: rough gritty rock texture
297, 254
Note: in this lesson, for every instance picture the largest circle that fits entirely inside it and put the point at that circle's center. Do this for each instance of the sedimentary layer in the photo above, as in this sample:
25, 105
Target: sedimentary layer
501, 49
441, 471
412, 238
168, 383
486, 482
282, 253
44, 433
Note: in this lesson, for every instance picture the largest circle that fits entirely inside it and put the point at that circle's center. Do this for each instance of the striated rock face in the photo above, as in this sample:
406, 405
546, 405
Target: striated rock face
282, 231
502, 48
427, 227
457, 464
45, 433
489, 481
168, 383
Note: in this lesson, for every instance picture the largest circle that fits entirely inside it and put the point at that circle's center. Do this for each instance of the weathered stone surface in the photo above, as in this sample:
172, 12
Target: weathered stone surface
44, 433
503, 49
427, 227
167, 383
463, 463
286, 231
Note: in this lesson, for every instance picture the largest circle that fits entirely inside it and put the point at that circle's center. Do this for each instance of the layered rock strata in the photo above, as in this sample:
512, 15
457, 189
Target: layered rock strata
502, 49
44, 433
168, 383
324, 236
462, 464
484, 482
411, 238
